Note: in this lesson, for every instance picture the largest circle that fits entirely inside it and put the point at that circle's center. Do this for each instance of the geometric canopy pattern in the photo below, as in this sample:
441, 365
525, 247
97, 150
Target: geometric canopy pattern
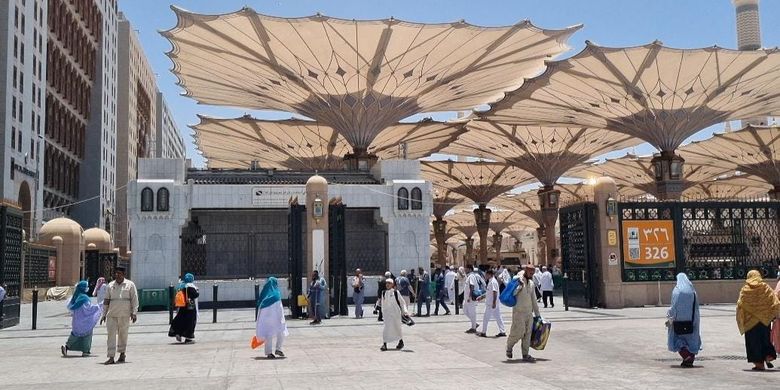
658, 94
752, 150
309, 146
357, 77
546, 152
632, 172
527, 202
478, 181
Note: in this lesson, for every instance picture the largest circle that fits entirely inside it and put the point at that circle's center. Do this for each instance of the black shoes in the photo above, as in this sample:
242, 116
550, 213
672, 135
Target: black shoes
279, 353
64, 350
384, 347
472, 330
109, 361
400, 344
121, 358
502, 334
509, 354
270, 356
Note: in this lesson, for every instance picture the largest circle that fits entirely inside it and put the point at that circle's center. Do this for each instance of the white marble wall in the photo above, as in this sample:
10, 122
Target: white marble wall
244, 289
156, 247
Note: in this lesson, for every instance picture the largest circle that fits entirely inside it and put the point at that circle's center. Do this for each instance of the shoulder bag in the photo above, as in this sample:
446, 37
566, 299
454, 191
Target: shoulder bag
685, 327
405, 319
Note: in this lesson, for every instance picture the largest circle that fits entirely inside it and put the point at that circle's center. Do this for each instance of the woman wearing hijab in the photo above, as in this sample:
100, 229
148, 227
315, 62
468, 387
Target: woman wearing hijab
183, 325
100, 290
85, 316
684, 337
270, 320
393, 307
776, 324
757, 307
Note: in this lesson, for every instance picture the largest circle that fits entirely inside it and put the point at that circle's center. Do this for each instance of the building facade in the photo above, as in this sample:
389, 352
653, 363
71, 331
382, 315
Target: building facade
136, 119
169, 142
98, 174
23, 38
233, 225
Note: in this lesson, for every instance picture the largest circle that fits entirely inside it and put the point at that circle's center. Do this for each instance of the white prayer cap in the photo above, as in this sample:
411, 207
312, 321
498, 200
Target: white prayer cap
391, 281
403, 272
387, 274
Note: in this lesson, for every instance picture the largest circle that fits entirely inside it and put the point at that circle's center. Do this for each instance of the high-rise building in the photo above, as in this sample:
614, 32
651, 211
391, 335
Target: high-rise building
75, 34
136, 120
23, 26
169, 143
749, 38
97, 207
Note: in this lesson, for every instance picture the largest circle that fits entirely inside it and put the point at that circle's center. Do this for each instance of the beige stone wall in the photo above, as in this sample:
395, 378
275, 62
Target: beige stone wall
709, 291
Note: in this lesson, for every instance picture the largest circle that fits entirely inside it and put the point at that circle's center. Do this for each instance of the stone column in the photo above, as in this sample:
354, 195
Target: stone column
548, 200
317, 230
439, 232
469, 250
59, 274
482, 217
611, 288
541, 253
668, 168
497, 238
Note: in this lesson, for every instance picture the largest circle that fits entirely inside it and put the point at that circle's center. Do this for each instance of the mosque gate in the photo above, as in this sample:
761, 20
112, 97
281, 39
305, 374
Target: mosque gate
296, 217
708, 240
579, 234
10, 264
338, 259
98, 265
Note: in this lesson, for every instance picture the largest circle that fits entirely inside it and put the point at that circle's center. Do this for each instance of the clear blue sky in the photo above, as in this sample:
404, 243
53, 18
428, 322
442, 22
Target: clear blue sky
677, 23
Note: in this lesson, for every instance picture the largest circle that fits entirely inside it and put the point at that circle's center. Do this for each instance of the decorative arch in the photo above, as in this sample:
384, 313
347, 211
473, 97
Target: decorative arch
403, 199
416, 198
147, 199
163, 199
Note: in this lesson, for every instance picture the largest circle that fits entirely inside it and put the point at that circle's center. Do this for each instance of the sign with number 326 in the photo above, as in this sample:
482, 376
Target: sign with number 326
648, 243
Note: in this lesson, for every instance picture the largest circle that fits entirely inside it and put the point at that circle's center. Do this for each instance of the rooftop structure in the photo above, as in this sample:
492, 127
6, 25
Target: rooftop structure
306, 145
478, 181
658, 94
753, 150
357, 77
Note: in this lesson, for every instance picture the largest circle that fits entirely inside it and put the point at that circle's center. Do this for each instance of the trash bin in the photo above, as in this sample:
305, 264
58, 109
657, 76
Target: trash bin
153, 299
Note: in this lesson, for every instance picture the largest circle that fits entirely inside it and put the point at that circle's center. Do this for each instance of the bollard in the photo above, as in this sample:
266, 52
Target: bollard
456, 298
214, 302
35, 308
257, 297
565, 291
171, 303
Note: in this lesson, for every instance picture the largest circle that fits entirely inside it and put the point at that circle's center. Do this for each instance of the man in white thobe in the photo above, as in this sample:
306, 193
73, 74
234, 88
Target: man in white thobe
119, 308
393, 307
449, 284
523, 315
547, 286
473, 282
492, 308
537, 278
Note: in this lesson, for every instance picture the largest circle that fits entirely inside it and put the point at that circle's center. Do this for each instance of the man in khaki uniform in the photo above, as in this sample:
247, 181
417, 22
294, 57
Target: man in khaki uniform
523, 314
119, 308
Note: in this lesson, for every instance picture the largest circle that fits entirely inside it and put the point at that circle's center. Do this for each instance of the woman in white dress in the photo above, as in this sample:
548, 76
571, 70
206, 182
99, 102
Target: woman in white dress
393, 308
270, 320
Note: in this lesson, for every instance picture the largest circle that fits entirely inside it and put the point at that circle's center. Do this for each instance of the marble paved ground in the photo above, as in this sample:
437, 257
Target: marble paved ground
588, 349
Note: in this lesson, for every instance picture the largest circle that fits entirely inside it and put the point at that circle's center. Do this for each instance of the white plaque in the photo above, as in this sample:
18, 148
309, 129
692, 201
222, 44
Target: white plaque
318, 250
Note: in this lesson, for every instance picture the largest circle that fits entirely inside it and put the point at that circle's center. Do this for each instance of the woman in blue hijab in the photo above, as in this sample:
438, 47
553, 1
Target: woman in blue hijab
85, 316
270, 320
684, 333
183, 325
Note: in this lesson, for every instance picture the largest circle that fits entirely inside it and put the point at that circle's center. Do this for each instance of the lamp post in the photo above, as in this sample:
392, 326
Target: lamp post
668, 168
482, 217
548, 200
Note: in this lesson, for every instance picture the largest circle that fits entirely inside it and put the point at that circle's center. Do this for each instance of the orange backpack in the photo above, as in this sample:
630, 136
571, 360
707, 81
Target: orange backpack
181, 299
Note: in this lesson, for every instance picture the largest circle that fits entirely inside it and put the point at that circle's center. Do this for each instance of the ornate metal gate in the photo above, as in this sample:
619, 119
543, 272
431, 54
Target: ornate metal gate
10, 264
295, 244
99, 264
337, 259
193, 249
578, 249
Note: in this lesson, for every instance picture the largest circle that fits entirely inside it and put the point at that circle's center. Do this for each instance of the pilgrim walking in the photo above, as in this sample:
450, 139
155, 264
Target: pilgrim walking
393, 309
492, 308
684, 336
757, 307
358, 293
270, 320
119, 308
523, 313
85, 315
183, 325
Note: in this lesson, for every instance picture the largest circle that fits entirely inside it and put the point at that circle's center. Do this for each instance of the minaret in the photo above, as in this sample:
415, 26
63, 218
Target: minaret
749, 38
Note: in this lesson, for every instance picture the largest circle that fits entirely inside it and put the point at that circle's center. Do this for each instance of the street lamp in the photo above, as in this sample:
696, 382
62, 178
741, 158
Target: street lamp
317, 208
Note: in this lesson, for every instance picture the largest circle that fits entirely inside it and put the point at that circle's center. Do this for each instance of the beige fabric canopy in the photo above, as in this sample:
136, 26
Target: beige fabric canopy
547, 152
478, 181
306, 145
752, 150
463, 222
527, 203
445, 200
357, 77
730, 188
637, 172
658, 94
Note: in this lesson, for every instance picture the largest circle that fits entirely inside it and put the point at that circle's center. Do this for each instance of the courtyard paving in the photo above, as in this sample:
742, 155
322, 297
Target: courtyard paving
588, 349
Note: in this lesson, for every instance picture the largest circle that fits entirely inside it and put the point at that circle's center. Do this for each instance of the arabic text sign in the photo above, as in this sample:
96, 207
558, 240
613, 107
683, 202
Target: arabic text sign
648, 243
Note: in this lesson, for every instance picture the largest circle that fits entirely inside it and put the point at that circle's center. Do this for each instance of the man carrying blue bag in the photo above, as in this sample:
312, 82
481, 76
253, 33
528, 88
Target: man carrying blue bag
523, 313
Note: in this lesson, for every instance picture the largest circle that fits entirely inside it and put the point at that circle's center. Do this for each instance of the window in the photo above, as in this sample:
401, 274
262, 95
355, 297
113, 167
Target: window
13, 138
403, 199
147, 199
416, 198
162, 199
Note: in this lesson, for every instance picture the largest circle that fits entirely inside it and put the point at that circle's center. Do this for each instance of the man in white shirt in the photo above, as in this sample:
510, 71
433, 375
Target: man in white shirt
492, 307
537, 278
449, 284
546, 279
473, 283
119, 307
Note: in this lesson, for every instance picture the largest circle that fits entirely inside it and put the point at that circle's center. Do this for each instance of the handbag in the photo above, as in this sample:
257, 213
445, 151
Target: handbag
685, 327
405, 319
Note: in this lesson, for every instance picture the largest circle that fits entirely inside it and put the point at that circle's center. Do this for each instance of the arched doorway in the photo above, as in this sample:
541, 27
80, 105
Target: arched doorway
25, 200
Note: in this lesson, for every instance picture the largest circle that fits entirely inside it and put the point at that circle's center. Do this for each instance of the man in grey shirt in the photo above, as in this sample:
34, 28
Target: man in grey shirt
405, 287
